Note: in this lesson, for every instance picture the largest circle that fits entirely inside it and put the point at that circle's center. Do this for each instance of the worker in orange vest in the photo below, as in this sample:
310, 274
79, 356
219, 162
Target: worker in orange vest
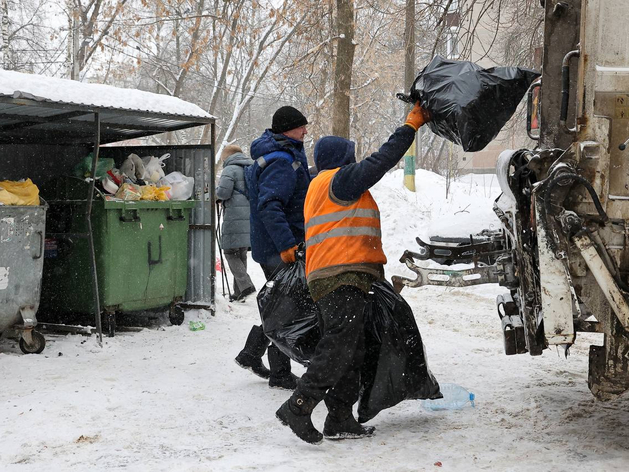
344, 258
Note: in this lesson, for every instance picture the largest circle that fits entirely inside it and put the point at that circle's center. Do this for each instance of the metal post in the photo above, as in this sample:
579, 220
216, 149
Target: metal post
212, 196
409, 78
224, 278
420, 146
90, 234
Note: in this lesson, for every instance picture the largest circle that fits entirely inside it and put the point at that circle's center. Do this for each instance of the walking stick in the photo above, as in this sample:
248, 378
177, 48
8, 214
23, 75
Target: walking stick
224, 278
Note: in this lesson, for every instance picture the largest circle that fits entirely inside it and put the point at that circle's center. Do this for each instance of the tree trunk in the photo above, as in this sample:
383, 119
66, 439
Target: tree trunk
409, 45
4, 10
343, 67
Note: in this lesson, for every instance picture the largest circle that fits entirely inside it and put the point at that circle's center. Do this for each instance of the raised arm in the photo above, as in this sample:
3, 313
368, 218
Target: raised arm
355, 179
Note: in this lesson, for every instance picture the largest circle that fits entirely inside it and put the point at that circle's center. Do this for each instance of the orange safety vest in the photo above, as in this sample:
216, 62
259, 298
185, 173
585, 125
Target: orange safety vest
340, 234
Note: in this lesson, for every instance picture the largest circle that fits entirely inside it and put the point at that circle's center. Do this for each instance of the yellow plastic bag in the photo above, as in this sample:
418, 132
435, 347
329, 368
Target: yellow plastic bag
19, 193
150, 192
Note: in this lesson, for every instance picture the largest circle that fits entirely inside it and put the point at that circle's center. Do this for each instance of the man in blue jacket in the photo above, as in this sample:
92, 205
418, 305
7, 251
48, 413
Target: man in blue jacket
277, 184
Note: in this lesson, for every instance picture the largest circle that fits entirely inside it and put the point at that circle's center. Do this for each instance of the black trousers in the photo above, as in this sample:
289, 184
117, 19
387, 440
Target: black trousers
257, 342
333, 374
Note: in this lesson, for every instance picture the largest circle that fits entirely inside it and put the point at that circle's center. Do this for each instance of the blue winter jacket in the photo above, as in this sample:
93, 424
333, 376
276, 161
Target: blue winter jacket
276, 194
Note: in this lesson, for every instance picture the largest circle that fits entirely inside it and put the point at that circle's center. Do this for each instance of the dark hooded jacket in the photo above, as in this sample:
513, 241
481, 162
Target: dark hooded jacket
231, 191
355, 178
350, 182
276, 195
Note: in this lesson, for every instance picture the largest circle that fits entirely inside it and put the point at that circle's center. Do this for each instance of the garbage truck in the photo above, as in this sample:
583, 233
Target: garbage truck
562, 251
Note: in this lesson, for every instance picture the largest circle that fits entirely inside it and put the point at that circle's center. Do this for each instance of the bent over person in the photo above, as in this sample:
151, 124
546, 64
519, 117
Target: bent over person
344, 257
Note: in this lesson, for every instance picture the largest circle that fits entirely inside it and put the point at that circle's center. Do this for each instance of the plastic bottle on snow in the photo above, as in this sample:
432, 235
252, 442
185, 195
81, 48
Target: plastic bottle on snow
455, 397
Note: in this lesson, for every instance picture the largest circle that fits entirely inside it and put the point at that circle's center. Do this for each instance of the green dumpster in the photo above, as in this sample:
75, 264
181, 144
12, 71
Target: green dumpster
141, 252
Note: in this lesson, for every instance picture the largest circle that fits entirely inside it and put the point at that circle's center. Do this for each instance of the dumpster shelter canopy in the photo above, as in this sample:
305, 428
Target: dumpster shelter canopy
46, 110
37, 110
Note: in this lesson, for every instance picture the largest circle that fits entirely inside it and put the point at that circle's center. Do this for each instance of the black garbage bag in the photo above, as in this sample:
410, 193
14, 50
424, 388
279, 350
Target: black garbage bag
469, 104
289, 314
395, 366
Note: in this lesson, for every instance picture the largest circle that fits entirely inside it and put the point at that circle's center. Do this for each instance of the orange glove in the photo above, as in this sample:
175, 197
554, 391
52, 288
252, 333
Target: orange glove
417, 117
288, 256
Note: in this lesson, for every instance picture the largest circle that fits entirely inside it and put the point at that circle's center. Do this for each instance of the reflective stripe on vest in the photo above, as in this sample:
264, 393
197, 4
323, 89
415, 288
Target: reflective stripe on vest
336, 234
339, 215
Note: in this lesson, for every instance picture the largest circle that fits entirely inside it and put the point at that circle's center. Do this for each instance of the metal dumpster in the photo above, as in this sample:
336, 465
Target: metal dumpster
22, 235
141, 252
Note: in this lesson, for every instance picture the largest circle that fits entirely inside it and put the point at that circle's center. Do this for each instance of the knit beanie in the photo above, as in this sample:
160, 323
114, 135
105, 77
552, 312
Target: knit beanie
229, 150
287, 118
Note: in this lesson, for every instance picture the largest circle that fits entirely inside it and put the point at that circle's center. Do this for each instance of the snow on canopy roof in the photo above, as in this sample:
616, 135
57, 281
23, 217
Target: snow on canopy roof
41, 88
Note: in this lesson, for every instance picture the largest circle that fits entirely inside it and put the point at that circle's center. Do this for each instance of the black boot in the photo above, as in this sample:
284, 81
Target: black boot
286, 382
295, 413
281, 376
250, 357
341, 424
254, 364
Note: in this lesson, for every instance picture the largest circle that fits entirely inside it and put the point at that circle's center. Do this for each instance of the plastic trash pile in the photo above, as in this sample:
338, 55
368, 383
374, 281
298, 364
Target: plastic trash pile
137, 179
21, 193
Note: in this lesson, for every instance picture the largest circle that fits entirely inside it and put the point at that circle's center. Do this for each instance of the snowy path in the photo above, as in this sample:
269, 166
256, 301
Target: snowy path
169, 399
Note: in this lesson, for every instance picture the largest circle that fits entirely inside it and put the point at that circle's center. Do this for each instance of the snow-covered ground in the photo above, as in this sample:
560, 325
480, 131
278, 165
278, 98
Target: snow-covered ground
170, 399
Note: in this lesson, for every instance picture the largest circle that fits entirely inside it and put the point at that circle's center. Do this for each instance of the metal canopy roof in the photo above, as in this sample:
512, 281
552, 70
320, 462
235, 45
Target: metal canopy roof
36, 120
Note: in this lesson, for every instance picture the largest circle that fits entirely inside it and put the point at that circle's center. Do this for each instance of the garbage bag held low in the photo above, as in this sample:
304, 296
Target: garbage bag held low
289, 314
469, 105
395, 366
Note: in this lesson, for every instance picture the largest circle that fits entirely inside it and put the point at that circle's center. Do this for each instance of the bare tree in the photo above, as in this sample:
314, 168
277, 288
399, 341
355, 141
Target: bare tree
28, 43
92, 23
339, 61
271, 43
343, 67
4, 47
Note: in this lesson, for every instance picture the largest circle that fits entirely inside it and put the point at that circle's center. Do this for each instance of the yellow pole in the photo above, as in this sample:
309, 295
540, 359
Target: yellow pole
409, 168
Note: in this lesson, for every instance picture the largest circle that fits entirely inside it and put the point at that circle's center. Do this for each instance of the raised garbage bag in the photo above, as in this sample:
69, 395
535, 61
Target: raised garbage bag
289, 314
395, 366
469, 104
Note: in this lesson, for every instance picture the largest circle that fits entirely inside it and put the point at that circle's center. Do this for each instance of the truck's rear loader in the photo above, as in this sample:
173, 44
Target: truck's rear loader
563, 251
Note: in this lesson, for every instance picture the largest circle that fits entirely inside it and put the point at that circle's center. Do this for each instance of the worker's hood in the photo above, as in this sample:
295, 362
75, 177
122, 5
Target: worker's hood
331, 152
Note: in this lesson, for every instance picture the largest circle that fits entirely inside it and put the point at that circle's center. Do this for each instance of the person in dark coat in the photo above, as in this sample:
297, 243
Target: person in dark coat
344, 257
235, 239
277, 185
